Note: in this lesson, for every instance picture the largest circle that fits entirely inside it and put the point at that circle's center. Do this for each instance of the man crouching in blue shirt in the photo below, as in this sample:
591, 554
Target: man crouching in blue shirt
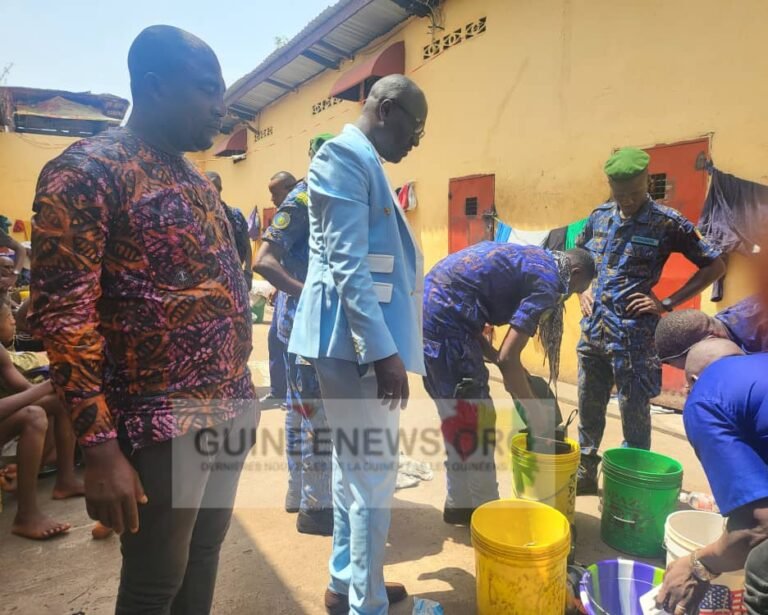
726, 421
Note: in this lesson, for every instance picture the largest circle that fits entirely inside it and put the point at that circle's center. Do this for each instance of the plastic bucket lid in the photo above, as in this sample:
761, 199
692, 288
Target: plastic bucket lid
520, 530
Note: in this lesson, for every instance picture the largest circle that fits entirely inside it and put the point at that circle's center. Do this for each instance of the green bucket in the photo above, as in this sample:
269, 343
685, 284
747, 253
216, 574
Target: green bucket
640, 489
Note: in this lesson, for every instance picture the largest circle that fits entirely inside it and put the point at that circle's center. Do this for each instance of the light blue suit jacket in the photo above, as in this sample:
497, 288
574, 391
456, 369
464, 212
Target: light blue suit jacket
363, 293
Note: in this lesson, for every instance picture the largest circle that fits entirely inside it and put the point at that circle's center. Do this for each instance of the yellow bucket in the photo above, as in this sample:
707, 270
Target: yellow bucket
549, 479
521, 553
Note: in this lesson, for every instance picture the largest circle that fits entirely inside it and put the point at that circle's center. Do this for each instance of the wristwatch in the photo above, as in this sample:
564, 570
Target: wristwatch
700, 571
667, 304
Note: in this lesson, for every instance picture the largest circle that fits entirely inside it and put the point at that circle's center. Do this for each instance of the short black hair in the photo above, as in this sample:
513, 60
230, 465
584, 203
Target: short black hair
678, 331
583, 259
284, 177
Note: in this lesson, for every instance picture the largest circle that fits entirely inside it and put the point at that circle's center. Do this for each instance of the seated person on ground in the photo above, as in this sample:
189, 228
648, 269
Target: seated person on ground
24, 341
726, 421
8, 280
22, 417
27, 353
745, 323
13, 382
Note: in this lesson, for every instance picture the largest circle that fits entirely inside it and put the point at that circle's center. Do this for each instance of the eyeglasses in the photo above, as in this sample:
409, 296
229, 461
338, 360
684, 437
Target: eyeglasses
419, 129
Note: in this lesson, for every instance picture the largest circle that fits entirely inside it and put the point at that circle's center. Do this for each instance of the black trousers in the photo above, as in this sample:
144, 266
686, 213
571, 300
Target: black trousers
756, 580
170, 565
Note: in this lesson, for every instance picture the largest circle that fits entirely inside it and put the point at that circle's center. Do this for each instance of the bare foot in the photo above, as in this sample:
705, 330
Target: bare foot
38, 527
69, 489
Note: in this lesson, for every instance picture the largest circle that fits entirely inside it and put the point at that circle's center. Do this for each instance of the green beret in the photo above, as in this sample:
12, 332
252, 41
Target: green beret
316, 142
627, 163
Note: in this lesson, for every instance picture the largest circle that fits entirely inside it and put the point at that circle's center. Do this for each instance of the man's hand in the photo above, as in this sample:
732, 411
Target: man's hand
393, 381
586, 300
640, 304
681, 592
112, 488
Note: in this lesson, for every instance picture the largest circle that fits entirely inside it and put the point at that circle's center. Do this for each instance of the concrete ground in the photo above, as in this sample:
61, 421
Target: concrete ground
266, 566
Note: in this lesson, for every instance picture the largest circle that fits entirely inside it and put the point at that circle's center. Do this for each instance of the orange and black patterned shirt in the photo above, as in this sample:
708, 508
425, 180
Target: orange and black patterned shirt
138, 293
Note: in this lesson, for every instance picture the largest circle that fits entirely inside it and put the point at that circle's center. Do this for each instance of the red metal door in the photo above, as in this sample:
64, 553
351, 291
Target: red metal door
470, 204
269, 213
678, 180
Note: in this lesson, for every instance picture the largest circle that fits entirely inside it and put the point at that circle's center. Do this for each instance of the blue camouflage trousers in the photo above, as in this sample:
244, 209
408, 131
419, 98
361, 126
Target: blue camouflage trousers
637, 376
276, 348
308, 441
468, 423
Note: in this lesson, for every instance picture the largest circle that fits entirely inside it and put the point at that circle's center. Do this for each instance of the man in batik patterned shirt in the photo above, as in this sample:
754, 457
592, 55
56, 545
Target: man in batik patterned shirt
138, 294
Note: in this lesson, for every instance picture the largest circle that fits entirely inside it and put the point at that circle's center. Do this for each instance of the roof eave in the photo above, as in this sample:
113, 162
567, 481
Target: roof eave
294, 48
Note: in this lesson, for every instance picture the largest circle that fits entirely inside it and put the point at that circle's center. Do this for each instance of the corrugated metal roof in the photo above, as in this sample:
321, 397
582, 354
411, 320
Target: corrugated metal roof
61, 108
336, 34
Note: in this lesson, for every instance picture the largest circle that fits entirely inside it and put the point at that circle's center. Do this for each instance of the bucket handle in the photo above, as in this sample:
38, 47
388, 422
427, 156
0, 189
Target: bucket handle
620, 520
554, 495
600, 504
599, 491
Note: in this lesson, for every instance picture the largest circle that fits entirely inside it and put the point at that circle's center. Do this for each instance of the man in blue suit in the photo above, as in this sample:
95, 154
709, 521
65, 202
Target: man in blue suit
359, 322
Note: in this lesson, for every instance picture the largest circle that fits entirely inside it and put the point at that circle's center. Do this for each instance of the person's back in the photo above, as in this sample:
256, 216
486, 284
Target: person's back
726, 421
393, 267
486, 283
747, 324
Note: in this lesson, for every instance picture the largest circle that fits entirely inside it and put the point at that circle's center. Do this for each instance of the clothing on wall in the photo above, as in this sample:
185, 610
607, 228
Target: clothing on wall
508, 234
735, 213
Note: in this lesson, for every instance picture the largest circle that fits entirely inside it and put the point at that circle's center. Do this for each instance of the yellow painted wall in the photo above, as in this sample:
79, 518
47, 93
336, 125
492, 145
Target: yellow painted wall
541, 99
22, 157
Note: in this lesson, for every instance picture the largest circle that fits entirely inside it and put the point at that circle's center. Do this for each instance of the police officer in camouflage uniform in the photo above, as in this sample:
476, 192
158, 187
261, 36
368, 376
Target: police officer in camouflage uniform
630, 237
282, 260
499, 284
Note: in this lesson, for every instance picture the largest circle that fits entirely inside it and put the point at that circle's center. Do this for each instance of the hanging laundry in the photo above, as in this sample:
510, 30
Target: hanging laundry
507, 234
556, 239
527, 238
406, 195
254, 225
735, 213
502, 232
572, 231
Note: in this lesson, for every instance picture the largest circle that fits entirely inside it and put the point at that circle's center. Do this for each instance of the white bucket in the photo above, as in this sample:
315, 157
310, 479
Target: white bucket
689, 530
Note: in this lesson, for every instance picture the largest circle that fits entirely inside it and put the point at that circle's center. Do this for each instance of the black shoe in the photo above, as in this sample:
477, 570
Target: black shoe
318, 522
457, 516
587, 482
271, 401
47, 470
338, 604
292, 501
